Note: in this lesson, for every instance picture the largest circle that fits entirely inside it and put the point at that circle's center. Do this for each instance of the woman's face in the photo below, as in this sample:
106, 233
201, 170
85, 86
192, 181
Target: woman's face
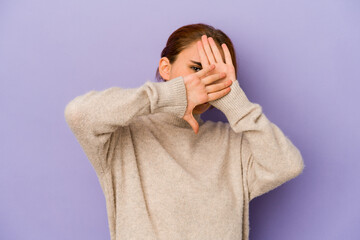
187, 62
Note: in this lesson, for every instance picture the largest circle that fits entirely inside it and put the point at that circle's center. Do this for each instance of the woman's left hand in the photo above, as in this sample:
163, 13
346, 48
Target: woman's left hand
210, 54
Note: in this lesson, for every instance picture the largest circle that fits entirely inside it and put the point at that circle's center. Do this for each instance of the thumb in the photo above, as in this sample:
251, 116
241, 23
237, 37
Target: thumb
193, 123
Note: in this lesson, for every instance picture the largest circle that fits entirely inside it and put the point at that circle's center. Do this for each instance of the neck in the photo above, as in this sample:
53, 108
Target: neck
174, 120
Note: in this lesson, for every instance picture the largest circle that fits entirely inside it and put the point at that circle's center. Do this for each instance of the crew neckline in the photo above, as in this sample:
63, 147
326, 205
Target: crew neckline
172, 119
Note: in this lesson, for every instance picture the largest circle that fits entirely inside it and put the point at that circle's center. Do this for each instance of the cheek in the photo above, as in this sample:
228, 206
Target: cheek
181, 71
186, 69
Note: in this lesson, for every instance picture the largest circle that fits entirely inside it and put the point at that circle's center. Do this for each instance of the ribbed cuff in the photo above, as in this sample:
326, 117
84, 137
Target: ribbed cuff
235, 104
171, 96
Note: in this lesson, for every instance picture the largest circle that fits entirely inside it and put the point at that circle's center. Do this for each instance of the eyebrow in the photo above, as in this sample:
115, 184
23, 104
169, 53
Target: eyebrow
198, 63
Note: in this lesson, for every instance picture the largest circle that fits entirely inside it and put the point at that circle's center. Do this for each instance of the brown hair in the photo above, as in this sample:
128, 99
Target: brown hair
188, 34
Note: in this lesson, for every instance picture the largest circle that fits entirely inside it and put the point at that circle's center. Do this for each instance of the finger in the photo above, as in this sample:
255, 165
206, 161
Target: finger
203, 59
212, 78
218, 94
215, 50
195, 127
227, 54
221, 80
208, 52
218, 86
204, 71
193, 123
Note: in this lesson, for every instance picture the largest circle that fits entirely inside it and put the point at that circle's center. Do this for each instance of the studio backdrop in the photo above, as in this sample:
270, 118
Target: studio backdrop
298, 59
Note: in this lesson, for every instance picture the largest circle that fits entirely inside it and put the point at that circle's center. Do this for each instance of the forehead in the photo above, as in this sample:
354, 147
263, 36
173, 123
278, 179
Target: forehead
190, 51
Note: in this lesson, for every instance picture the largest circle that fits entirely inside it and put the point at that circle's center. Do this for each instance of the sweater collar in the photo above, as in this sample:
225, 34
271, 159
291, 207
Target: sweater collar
175, 120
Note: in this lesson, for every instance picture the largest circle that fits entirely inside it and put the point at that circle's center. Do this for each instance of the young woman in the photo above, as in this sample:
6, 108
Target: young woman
167, 174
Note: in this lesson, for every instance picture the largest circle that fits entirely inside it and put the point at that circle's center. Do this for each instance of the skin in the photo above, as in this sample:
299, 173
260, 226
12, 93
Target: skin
207, 80
210, 54
182, 67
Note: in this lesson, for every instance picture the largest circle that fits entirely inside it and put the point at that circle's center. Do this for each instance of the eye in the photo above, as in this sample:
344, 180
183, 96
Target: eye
192, 67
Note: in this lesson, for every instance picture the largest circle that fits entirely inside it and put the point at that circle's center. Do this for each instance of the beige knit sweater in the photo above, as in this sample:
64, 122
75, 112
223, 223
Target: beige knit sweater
163, 181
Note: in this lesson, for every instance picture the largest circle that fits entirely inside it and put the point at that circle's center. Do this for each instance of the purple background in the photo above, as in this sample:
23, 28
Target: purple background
298, 59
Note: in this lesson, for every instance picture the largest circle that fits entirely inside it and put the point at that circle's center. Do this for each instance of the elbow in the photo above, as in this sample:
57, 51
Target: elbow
69, 112
76, 111
296, 164
72, 115
298, 170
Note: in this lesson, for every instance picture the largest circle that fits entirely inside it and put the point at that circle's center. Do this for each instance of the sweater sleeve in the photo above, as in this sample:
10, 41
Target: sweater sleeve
268, 157
97, 117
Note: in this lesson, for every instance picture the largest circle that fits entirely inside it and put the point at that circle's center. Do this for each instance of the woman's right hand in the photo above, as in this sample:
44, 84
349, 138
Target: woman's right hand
201, 88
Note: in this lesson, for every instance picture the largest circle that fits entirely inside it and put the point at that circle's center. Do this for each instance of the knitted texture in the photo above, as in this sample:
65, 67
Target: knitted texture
162, 181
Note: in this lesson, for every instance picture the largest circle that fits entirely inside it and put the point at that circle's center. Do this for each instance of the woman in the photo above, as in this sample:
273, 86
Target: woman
160, 179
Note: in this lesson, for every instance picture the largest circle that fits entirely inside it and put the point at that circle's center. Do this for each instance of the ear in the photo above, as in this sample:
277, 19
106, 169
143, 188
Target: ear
164, 68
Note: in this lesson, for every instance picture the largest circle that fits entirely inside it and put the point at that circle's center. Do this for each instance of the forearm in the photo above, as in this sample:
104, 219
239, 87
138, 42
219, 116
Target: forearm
273, 158
95, 116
